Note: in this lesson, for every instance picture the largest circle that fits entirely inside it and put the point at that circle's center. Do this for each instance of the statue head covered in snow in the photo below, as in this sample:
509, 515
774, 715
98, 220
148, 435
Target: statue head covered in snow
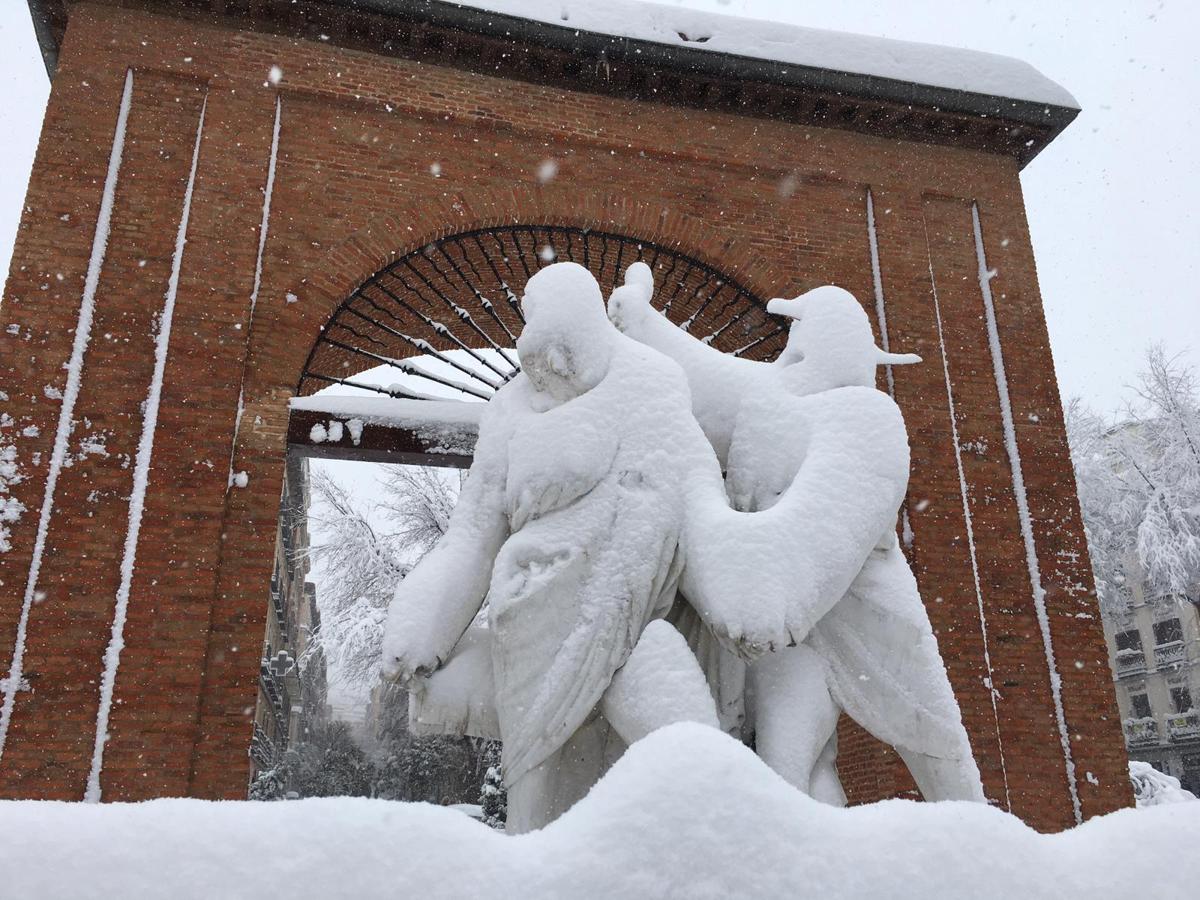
567, 343
830, 344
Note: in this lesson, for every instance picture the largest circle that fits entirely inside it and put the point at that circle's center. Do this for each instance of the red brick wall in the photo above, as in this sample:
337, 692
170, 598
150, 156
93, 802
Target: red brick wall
353, 190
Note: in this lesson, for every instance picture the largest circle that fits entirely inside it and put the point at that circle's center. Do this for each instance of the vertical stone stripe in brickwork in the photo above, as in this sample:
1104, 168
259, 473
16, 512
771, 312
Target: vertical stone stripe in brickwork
1021, 676
1089, 706
70, 394
877, 290
258, 261
52, 730
1014, 457
939, 550
41, 304
154, 716
141, 480
245, 536
967, 514
866, 766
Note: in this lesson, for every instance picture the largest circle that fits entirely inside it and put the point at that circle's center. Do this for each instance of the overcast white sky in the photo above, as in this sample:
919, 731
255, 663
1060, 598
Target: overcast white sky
1112, 203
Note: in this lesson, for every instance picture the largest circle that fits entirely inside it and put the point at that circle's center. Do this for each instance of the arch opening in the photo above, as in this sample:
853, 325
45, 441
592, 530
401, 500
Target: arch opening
384, 384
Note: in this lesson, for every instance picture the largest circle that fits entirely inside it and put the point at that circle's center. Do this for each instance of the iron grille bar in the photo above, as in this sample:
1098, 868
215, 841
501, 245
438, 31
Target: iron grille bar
420, 345
513, 300
460, 312
686, 324
741, 351
679, 283
487, 305
444, 289
442, 331
333, 379
521, 253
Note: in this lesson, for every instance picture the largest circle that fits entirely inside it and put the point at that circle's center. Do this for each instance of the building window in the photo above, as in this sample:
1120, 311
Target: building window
1190, 778
1140, 705
1168, 631
1129, 640
1181, 699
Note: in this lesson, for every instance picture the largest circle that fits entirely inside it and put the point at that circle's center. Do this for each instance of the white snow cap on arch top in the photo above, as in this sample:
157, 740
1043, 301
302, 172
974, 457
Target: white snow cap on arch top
927, 64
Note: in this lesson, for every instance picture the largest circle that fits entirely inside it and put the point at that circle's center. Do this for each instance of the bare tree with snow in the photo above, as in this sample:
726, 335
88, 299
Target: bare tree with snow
1168, 537
362, 561
1107, 499
1139, 484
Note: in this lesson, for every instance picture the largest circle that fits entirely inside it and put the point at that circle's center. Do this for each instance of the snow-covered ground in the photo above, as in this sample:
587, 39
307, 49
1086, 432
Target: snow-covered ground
688, 812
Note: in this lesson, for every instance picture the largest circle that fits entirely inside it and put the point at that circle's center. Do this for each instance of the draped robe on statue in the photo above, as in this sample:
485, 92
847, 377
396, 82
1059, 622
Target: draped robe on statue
570, 522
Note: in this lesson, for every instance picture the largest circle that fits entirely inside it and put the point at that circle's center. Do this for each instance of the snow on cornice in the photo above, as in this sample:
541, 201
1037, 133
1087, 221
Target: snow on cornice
951, 68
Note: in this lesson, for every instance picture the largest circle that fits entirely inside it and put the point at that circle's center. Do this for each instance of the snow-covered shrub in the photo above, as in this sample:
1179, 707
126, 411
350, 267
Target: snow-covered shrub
493, 799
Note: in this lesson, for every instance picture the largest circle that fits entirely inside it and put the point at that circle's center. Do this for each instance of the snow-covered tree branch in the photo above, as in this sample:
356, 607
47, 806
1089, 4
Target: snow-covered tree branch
1139, 484
362, 551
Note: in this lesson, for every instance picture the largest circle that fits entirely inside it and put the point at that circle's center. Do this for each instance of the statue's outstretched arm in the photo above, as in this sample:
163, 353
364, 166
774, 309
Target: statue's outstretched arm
435, 603
762, 580
717, 380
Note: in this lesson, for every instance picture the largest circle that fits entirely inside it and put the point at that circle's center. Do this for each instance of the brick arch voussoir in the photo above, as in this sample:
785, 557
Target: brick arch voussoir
373, 247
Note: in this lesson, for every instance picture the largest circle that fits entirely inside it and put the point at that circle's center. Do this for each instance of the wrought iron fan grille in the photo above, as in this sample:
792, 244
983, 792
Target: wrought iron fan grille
449, 314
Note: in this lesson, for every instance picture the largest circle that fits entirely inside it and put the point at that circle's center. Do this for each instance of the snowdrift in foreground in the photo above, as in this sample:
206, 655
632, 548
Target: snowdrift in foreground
688, 812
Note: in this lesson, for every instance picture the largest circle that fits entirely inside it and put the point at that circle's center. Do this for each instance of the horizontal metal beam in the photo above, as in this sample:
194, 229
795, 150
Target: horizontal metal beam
378, 442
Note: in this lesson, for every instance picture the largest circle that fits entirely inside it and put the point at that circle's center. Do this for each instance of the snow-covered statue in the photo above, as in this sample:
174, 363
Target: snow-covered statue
569, 527
809, 445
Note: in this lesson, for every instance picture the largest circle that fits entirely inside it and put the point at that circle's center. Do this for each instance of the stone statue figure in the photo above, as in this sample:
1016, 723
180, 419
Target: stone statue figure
569, 529
868, 651
621, 591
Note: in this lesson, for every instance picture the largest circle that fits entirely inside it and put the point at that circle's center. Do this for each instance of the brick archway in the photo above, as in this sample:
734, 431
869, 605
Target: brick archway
378, 154
442, 322
288, 327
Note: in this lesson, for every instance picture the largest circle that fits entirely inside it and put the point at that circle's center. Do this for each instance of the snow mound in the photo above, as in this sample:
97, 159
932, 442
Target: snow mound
687, 812
928, 64
1154, 788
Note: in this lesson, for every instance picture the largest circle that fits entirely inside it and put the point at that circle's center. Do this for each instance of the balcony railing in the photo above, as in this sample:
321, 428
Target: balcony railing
1183, 726
1139, 732
1168, 654
277, 695
262, 749
1130, 662
280, 612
